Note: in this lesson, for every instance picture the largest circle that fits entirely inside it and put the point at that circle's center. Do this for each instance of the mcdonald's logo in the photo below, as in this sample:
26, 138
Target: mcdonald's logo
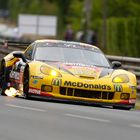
118, 88
56, 82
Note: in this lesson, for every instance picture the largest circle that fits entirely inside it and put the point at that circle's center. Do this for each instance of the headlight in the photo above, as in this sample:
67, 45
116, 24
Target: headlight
122, 78
49, 71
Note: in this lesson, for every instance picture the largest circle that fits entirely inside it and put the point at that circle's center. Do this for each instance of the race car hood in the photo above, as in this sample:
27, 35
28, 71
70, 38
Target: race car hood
82, 70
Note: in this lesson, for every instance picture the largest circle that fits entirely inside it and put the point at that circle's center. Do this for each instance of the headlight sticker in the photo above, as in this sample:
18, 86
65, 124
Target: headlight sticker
122, 78
118, 88
35, 81
56, 82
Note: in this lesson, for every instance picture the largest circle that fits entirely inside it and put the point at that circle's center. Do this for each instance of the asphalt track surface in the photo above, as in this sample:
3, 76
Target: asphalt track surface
22, 119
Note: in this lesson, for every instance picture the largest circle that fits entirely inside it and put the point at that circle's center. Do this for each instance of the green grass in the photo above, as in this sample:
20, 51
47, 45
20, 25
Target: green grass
137, 106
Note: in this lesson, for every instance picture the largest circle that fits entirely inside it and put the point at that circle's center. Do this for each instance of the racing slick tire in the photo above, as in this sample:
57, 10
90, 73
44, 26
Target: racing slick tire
4, 76
26, 83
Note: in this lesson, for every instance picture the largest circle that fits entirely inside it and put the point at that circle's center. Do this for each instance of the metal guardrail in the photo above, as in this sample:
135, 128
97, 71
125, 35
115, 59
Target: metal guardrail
10, 45
128, 63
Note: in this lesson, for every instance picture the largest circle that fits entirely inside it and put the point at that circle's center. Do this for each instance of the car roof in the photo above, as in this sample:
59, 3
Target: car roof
67, 42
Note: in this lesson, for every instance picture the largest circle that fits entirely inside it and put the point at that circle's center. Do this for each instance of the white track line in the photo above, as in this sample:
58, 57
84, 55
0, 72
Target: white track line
88, 118
26, 108
135, 125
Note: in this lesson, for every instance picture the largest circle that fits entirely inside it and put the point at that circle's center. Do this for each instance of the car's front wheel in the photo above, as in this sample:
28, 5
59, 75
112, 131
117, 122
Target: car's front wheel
26, 83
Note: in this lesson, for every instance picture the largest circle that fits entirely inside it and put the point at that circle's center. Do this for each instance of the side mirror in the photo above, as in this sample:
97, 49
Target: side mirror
116, 64
20, 55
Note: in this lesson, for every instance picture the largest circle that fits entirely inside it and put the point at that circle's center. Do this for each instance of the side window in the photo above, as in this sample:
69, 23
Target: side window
28, 53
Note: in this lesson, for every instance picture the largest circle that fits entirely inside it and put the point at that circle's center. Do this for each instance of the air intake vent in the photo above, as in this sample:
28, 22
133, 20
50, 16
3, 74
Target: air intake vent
86, 93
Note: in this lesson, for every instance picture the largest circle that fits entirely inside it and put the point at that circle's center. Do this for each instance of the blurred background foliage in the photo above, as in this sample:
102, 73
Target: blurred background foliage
122, 20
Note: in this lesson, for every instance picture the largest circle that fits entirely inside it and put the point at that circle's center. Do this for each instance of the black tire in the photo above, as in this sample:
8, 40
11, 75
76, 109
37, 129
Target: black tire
26, 83
3, 78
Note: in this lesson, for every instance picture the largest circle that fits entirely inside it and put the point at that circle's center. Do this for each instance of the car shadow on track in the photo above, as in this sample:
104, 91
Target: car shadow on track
68, 102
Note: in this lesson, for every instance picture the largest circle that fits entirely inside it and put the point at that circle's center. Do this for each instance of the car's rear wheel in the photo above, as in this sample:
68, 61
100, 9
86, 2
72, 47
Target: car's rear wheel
26, 83
3, 78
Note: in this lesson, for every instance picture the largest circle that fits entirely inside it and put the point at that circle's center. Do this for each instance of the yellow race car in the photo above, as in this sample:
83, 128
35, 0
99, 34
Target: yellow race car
69, 71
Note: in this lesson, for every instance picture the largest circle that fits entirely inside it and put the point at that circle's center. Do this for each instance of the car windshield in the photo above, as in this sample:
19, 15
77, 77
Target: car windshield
71, 55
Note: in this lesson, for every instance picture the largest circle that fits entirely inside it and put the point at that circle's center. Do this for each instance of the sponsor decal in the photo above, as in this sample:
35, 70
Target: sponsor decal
132, 101
21, 77
84, 70
78, 64
36, 77
82, 66
85, 85
22, 68
15, 75
34, 91
35, 81
56, 82
118, 88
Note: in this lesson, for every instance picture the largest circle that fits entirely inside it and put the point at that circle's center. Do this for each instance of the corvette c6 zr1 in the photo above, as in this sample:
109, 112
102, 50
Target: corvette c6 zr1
69, 71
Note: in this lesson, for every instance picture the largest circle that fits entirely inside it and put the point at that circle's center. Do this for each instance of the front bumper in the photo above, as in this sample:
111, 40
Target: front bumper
124, 104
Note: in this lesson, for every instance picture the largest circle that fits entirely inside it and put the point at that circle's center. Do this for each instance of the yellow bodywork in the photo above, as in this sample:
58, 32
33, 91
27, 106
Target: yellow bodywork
71, 83
118, 87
